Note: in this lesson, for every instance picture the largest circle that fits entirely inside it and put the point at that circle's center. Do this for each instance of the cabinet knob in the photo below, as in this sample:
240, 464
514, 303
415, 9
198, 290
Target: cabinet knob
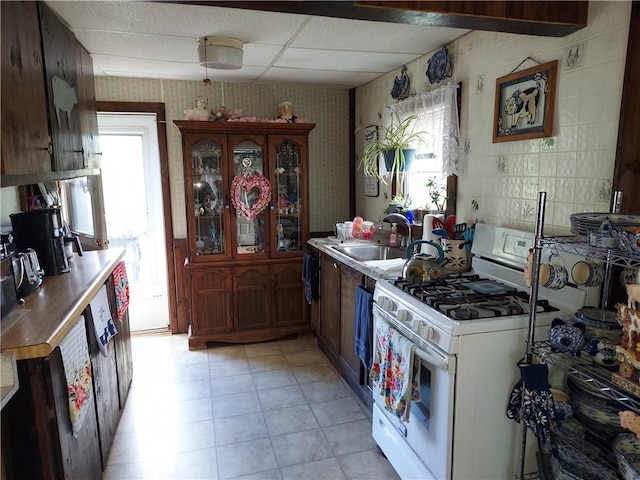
272, 207
48, 148
226, 207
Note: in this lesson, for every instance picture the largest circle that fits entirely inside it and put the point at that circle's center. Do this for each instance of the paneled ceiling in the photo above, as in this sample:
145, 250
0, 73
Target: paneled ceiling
158, 40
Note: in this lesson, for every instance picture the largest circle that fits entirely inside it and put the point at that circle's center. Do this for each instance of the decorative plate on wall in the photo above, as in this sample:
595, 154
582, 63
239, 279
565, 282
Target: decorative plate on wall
401, 85
439, 66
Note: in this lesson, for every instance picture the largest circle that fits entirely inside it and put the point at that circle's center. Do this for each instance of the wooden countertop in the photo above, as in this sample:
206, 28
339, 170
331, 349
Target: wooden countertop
35, 329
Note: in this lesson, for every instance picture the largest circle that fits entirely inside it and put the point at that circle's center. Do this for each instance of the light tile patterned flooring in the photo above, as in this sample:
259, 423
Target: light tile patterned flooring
272, 411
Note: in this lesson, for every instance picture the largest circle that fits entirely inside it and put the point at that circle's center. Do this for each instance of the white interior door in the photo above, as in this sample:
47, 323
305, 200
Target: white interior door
133, 210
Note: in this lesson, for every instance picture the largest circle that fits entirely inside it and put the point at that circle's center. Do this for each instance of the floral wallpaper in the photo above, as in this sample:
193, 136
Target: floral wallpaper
328, 141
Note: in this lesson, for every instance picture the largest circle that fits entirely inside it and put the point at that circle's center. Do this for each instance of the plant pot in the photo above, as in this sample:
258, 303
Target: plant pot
389, 155
395, 208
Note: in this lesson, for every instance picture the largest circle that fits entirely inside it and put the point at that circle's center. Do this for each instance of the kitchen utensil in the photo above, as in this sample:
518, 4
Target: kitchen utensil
458, 231
424, 268
441, 232
437, 223
449, 223
468, 238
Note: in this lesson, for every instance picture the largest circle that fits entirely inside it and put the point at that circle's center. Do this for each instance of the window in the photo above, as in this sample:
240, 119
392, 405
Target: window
438, 155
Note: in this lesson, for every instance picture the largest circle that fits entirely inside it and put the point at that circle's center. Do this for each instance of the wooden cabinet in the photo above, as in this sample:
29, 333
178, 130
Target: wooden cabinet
329, 341
246, 192
37, 439
338, 285
25, 127
49, 123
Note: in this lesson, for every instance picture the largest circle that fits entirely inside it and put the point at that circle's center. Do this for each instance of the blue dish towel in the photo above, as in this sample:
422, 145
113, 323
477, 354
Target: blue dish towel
363, 323
310, 276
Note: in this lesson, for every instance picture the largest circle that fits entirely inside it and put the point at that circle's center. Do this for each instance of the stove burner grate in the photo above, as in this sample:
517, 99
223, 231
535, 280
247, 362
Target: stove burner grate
459, 302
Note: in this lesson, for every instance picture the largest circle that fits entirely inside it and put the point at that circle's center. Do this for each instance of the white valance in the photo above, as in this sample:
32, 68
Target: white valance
437, 114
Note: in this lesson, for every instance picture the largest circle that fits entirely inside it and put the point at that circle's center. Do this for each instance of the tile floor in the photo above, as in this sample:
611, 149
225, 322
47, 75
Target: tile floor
275, 410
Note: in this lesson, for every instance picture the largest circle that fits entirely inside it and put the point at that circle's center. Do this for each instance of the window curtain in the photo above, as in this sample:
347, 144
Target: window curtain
437, 114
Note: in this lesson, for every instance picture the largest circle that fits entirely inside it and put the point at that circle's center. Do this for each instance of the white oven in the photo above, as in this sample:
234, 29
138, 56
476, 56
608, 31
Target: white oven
460, 430
430, 420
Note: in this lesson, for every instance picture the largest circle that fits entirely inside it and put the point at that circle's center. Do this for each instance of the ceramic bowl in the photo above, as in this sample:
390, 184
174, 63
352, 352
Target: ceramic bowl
594, 408
598, 318
562, 406
576, 464
627, 449
628, 242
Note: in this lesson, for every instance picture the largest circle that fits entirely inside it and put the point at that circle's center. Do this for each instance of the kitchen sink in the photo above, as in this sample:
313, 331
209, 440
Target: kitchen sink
365, 253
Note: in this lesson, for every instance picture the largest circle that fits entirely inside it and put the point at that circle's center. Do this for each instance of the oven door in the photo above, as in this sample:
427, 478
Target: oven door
428, 431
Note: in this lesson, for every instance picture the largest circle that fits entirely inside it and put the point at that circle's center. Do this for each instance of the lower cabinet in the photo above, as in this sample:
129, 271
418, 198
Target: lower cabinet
247, 303
329, 335
37, 439
338, 285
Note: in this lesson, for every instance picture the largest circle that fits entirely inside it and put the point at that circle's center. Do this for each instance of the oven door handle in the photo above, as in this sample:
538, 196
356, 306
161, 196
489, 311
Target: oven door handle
432, 358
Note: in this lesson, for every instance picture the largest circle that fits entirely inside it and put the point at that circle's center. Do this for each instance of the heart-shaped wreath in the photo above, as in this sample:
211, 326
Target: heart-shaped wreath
250, 194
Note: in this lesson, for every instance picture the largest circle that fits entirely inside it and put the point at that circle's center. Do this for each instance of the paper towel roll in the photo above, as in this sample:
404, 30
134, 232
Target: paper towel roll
427, 234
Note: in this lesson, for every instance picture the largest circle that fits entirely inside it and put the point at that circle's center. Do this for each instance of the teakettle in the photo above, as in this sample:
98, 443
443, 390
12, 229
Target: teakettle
422, 267
27, 271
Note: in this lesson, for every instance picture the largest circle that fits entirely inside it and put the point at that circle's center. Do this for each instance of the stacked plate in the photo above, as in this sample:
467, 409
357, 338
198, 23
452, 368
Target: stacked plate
581, 223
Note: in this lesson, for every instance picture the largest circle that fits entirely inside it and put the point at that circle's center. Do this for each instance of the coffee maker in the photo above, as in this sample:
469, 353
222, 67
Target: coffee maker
42, 230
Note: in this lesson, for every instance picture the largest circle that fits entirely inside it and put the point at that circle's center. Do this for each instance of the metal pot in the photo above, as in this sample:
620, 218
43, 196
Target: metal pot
422, 267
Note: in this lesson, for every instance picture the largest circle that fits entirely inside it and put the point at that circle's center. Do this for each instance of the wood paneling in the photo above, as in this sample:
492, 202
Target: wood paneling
555, 19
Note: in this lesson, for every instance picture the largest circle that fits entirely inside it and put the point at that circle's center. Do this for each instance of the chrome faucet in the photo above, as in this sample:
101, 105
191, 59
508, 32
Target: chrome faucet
395, 217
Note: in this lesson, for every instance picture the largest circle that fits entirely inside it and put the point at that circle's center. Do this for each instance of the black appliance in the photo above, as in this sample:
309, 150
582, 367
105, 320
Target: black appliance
42, 230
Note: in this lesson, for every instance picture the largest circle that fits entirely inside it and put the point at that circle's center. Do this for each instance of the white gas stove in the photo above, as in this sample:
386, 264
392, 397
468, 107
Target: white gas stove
469, 332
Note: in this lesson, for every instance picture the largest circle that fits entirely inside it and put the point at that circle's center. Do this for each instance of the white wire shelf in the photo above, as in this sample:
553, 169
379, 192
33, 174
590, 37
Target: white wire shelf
577, 244
585, 369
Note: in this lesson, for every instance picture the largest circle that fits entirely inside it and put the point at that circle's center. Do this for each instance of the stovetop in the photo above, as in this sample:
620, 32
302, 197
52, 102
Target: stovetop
470, 296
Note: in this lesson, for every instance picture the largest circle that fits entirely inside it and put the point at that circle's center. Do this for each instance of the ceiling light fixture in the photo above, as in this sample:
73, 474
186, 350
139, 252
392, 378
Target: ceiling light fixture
222, 53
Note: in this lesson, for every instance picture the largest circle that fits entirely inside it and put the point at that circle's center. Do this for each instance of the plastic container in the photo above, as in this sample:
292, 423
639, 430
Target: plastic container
393, 236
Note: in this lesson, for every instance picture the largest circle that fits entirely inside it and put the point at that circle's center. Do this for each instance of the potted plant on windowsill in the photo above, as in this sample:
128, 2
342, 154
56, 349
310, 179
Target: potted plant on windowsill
396, 143
438, 196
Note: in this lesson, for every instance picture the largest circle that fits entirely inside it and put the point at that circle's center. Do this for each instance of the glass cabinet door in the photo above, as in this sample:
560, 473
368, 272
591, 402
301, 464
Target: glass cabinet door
209, 198
288, 196
250, 232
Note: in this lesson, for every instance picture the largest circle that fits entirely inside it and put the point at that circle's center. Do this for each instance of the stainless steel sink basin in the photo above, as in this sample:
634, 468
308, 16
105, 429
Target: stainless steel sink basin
364, 253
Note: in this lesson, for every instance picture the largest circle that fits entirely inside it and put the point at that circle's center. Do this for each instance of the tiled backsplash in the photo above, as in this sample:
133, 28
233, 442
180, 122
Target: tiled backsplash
328, 142
499, 182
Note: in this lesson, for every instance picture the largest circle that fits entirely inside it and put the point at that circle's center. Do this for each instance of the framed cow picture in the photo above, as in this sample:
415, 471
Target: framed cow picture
525, 102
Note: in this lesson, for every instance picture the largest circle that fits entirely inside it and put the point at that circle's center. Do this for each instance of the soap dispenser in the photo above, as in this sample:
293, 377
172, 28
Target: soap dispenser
393, 237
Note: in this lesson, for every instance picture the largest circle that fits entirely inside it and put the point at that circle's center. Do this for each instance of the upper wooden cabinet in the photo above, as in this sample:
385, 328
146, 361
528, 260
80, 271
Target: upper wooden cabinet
48, 98
231, 169
25, 127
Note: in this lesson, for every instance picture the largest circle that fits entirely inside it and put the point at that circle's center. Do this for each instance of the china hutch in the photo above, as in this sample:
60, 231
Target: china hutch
246, 188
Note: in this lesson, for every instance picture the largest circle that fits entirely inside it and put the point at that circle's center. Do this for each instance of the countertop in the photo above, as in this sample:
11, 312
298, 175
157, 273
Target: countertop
35, 329
376, 269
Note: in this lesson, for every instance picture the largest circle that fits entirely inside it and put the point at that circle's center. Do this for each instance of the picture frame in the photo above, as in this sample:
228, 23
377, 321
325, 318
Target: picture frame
525, 103
371, 183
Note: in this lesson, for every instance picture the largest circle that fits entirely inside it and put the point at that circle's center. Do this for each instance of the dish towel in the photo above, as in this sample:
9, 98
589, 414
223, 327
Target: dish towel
121, 284
77, 369
363, 325
310, 276
392, 370
103, 325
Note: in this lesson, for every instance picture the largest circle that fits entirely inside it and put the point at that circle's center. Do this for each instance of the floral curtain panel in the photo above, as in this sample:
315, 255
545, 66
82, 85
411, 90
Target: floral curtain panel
437, 113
